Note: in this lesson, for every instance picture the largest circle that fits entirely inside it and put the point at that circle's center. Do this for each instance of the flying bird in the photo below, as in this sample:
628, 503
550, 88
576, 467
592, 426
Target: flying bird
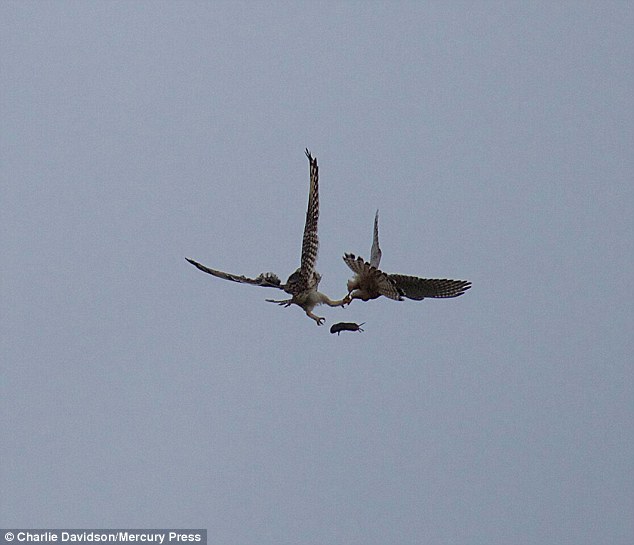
369, 282
302, 284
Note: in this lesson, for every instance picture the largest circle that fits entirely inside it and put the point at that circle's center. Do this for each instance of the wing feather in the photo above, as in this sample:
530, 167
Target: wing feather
310, 242
356, 264
417, 289
266, 280
375, 252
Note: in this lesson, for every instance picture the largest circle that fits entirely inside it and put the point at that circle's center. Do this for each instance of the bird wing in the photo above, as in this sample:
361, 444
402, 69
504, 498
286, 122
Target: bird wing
357, 264
371, 279
417, 289
310, 242
267, 280
375, 252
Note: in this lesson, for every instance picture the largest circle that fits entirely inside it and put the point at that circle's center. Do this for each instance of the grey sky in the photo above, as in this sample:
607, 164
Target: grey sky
495, 137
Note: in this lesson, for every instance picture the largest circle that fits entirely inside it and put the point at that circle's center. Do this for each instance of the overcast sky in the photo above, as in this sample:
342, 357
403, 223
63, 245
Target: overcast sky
496, 139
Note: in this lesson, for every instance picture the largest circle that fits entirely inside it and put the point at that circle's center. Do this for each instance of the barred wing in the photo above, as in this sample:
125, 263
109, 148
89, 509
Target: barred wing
310, 242
417, 289
267, 280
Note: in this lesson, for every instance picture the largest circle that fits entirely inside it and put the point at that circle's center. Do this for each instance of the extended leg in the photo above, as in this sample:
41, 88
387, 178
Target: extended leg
318, 319
339, 303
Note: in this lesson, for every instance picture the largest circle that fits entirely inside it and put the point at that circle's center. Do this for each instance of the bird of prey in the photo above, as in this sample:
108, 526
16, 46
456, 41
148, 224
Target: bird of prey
302, 284
369, 282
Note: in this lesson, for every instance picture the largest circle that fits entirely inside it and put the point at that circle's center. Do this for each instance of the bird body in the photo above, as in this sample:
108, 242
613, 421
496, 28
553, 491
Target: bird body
369, 282
303, 283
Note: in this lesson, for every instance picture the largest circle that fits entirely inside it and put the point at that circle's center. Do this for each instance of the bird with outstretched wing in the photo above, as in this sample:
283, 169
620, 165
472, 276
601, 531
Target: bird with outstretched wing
369, 282
302, 284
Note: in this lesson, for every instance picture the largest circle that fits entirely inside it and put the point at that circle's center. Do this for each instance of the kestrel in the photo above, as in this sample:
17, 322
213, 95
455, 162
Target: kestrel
302, 284
369, 282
